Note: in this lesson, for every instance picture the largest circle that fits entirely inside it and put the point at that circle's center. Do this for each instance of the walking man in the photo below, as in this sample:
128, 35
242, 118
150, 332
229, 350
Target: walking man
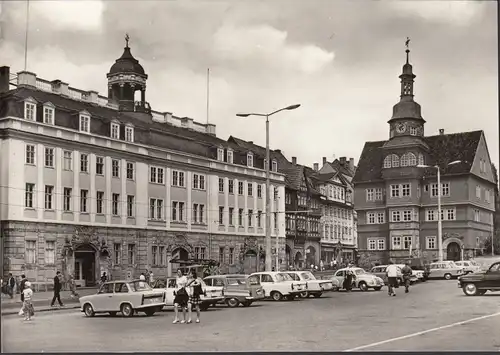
57, 290
407, 272
392, 275
11, 284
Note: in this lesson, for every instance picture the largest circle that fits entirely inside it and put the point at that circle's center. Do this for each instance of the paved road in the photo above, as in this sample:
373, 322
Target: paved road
425, 319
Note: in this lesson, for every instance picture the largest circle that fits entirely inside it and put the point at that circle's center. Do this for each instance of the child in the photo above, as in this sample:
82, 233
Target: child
27, 305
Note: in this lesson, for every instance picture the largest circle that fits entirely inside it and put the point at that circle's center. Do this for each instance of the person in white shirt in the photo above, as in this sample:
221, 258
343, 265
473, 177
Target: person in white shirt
181, 297
27, 305
392, 275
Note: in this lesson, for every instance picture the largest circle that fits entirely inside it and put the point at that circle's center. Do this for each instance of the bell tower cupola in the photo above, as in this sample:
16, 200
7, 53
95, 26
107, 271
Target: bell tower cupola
125, 78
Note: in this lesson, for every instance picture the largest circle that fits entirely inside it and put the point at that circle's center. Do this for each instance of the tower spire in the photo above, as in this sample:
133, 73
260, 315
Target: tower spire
407, 76
407, 44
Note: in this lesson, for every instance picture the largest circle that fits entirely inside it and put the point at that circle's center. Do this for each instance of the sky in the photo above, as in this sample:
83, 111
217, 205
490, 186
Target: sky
339, 59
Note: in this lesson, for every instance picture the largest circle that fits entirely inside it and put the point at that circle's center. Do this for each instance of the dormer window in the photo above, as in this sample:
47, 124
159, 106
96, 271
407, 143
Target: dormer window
84, 122
250, 160
48, 113
115, 130
229, 156
388, 161
395, 161
274, 165
129, 133
220, 154
30, 109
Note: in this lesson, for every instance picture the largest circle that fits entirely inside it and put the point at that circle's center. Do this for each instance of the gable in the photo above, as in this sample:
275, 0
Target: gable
326, 169
481, 166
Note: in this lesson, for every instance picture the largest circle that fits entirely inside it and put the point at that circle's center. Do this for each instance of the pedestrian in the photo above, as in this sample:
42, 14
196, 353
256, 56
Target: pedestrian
72, 286
28, 309
151, 278
407, 272
22, 285
392, 276
196, 290
142, 280
11, 284
104, 277
181, 297
349, 278
57, 290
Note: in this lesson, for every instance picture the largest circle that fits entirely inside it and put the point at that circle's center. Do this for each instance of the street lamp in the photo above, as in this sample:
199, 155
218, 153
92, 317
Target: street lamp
440, 223
268, 182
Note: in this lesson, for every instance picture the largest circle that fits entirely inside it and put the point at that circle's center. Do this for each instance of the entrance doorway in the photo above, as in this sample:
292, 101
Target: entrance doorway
250, 262
298, 260
179, 254
85, 266
453, 251
310, 256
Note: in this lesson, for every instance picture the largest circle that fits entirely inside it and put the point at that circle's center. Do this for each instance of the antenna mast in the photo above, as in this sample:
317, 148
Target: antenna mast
208, 93
26, 38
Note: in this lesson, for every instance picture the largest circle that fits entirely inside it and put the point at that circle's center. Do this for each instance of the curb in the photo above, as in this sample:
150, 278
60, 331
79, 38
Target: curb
54, 309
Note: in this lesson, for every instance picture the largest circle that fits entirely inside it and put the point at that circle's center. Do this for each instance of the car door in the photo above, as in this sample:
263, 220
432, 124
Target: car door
105, 298
340, 275
492, 277
171, 285
121, 294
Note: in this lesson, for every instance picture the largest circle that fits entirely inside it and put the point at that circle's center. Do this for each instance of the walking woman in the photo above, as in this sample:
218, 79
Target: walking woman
28, 309
196, 290
181, 297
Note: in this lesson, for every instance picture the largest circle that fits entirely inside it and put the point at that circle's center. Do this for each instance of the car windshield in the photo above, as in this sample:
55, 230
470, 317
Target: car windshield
283, 277
307, 275
139, 286
360, 271
236, 281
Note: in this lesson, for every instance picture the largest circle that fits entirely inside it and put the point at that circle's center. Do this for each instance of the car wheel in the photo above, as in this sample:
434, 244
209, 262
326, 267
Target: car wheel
276, 296
363, 286
377, 288
232, 302
247, 303
149, 312
204, 307
113, 314
127, 310
88, 310
304, 294
447, 276
318, 295
470, 290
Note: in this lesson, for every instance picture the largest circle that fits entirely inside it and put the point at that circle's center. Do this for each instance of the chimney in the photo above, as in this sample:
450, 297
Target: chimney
343, 160
60, 87
278, 151
93, 96
4, 79
250, 142
316, 166
294, 160
351, 164
324, 160
441, 131
210, 129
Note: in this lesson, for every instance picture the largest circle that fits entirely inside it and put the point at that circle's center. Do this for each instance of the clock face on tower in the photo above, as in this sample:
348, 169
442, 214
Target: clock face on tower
401, 127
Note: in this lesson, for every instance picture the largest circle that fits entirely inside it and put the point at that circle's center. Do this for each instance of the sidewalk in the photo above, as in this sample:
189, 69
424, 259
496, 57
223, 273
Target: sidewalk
41, 301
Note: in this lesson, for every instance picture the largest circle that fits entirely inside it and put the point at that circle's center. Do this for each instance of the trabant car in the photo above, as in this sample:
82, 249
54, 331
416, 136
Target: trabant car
445, 269
279, 285
314, 287
126, 297
469, 266
213, 295
362, 280
479, 282
238, 289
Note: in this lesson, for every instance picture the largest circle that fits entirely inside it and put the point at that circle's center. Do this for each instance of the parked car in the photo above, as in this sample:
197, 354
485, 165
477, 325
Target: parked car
469, 266
238, 289
425, 271
416, 275
363, 280
213, 295
445, 269
279, 285
477, 283
314, 287
126, 297
381, 271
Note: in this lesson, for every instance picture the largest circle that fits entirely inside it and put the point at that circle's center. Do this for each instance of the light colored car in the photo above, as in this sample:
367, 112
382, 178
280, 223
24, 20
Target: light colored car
416, 275
279, 285
314, 287
469, 266
445, 269
126, 297
363, 280
238, 289
380, 271
213, 295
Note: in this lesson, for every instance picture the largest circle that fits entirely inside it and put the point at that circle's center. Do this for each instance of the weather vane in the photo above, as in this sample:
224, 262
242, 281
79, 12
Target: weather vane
127, 38
407, 43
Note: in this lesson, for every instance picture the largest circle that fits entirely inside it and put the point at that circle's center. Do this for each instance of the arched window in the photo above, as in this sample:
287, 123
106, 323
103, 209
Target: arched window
387, 162
412, 159
395, 161
421, 159
404, 160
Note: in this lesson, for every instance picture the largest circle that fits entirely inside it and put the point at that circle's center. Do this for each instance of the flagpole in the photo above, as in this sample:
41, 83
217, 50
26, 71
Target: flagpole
208, 92
26, 37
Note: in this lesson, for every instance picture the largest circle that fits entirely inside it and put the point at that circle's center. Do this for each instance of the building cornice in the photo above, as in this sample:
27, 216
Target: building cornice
426, 205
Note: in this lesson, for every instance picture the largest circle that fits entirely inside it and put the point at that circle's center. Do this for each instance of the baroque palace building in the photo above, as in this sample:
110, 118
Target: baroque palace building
90, 184
396, 198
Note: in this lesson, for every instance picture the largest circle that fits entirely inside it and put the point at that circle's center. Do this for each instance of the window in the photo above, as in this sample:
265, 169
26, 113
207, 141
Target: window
49, 194
30, 111
445, 189
380, 217
240, 217
230, 156
130, 171
413, 131
67, 160
201, 210
396, 243
430, 242
67, 199
396, 216
130, 205
154, 255
450, 214
370, 194
231, 214
50, 252
412, 159
231, 255
115, 203
85, 123
99, 202
117, 253
220, 154
259, 190
178, 178
487, 195
198, 213
404, 160
49, 157
274, 166
156, 208
115, 130
395, 161
250, 189
421, 159
395, 191
408, 242
131, 254
156, 175
161, 252
434, 190
477, 216
259, 219
275, 193
250, 218
129, 134
115, 168
381, 244
221, 215
84, 163
276, 220
221, 255
84, 194
231, 186
387, 161
407, 215
372, 244
30, 154
30, 252
198, 182
371, 218
221, 184
28, 197
178, 211
240, 187
250, 160
99, 165
378, 194
478, 191
406, 190
431, 215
